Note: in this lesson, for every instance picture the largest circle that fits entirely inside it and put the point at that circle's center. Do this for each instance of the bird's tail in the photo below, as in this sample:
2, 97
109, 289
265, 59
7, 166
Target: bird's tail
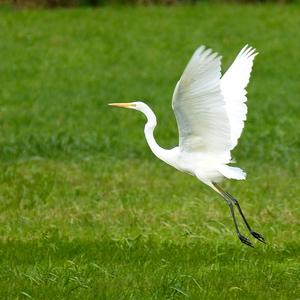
232, 172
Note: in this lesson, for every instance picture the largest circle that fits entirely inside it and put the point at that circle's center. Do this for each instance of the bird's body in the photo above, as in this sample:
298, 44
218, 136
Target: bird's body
210, 111
206, 167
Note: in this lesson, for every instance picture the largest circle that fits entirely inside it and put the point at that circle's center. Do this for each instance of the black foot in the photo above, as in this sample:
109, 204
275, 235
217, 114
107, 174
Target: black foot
244, 240
258, 236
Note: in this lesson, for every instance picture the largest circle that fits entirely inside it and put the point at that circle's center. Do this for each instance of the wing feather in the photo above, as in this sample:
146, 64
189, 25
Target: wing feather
199, 105
233, 84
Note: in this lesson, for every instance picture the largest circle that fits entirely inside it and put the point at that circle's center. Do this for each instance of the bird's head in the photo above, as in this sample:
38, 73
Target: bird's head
140, 106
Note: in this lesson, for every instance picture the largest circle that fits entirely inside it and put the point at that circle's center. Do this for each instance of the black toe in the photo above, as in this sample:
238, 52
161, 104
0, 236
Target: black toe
245, 241
258, 236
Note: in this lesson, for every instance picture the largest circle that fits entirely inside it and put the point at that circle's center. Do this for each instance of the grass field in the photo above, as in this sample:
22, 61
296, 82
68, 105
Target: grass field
87, 212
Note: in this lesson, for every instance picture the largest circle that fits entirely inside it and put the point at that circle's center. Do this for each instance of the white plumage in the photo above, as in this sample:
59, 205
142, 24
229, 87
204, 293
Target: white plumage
199, 106
233, 85
210, 111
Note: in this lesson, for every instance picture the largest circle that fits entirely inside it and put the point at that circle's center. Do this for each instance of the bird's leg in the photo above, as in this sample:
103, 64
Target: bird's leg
229, 202
253, 233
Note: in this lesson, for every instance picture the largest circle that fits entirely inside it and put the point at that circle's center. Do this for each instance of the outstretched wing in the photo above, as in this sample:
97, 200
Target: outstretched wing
199, 105
233, 84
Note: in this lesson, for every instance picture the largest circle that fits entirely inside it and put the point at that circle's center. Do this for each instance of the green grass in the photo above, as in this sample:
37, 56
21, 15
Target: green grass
87, 212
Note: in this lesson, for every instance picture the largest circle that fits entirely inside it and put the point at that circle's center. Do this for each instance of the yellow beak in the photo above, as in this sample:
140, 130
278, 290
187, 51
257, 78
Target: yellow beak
125, 105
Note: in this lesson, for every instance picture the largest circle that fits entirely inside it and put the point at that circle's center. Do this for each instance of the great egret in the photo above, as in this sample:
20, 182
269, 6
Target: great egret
210, 111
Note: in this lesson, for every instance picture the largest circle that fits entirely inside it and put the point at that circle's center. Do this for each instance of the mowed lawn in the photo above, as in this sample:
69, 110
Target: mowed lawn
87, 211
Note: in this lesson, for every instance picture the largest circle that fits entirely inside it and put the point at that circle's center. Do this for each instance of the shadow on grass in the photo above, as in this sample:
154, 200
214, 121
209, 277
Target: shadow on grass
56, 268
140, 250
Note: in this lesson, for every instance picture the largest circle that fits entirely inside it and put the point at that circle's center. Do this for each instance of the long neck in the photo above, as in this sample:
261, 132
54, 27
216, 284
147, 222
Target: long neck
148, 130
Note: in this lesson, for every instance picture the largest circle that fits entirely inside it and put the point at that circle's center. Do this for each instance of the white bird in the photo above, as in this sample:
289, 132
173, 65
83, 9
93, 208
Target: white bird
210, 111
